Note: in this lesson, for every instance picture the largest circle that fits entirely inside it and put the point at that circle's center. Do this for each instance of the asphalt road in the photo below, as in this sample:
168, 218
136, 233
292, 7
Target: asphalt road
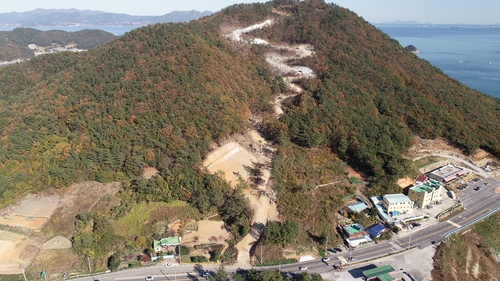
478, 204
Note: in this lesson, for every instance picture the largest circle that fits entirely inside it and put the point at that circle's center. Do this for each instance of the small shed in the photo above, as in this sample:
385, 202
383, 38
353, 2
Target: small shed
357, 207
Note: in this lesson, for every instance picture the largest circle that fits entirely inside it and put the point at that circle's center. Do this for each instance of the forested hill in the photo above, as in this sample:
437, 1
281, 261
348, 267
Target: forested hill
156, 96
160, 94
14, 44
371, 96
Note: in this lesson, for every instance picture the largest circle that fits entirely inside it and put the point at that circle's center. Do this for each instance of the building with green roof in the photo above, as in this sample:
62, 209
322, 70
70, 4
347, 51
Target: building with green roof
379, 273
166, 242
426, 193
354, 230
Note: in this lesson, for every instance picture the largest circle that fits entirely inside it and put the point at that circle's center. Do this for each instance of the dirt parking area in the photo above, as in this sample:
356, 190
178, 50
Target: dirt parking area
30, 212
12, 245
208, 232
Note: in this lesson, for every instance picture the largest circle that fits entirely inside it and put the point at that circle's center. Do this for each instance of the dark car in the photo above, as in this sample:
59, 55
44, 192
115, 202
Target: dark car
332, 250
433, 243
338, 249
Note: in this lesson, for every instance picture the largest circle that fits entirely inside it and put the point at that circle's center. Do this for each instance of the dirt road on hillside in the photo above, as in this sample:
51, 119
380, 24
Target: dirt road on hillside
262, 197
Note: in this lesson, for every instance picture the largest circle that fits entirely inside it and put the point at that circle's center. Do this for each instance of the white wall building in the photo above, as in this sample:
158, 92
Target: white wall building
397, 203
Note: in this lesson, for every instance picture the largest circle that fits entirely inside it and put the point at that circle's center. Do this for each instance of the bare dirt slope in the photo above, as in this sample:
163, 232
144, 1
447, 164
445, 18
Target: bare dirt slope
12, 245
30, 212
231, 159
468, 258
53, 210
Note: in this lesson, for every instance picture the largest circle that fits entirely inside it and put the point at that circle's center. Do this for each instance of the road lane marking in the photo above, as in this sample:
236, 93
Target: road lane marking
395, 245
342, 260
418, 238
371, 253
454, 224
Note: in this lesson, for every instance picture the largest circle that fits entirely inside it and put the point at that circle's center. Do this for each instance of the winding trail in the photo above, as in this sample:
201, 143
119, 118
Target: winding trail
277, 58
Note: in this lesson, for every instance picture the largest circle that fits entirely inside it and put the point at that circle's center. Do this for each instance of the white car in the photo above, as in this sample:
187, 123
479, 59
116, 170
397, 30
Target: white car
149, 278
325, 259
206, 274
167, 265
303, 268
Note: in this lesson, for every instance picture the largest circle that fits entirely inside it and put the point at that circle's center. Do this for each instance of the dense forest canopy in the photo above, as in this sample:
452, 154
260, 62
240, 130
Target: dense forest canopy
159, 95
371, 96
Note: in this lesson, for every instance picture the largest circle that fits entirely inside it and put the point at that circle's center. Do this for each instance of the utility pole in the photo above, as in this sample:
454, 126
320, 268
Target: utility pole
326, 244
88, 260
180, 255
261, 261
350, 256
24, 274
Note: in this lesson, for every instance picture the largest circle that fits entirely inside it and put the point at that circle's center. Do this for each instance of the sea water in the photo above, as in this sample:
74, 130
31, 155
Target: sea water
116, 30
467, 53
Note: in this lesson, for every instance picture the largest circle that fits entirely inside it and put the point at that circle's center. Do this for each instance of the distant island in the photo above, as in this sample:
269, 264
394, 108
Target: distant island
412, 49
75, 17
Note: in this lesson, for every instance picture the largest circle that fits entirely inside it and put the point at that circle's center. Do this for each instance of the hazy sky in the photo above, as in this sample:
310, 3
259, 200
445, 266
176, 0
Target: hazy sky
375, 11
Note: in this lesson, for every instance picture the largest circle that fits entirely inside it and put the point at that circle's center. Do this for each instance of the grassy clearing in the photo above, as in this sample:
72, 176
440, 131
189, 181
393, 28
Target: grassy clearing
143, 215
488, 229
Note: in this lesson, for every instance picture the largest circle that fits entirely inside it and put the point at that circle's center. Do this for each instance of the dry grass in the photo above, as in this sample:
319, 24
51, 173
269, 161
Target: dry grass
469, 256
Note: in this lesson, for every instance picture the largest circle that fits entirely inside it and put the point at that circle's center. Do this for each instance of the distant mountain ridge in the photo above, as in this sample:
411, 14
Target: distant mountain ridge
72, 17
